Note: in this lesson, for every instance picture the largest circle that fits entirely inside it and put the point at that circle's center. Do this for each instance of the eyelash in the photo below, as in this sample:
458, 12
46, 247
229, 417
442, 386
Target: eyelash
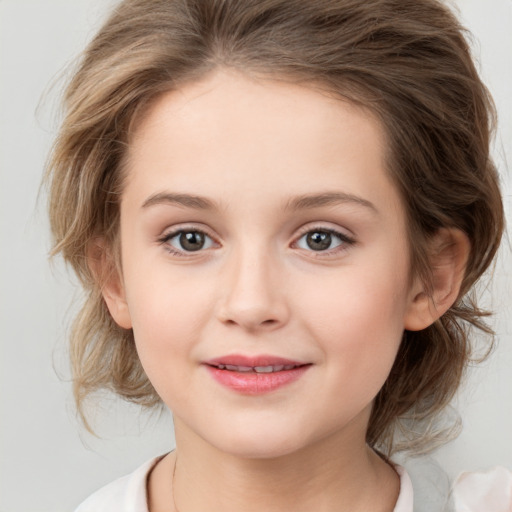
165, 240
345, 241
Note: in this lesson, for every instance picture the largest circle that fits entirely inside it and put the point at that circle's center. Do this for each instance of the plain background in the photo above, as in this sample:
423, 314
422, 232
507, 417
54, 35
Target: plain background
47, 462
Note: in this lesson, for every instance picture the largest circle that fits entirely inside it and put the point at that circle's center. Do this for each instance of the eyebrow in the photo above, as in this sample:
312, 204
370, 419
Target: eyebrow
187, 200
303, 202
327, 199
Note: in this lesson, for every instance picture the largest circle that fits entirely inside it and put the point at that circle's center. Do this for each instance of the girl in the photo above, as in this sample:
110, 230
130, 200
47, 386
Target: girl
278, 210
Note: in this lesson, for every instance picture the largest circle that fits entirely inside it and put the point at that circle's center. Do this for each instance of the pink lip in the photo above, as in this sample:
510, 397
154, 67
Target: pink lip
250, 382
261, 360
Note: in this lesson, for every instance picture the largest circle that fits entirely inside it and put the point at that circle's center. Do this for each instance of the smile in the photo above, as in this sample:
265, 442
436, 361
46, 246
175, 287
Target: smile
255, 375
256, 369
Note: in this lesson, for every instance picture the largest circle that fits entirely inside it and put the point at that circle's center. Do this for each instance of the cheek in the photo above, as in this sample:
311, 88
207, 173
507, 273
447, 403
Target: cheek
165, 317
358, 322
165, 314
170, 309
359, 334
359, 301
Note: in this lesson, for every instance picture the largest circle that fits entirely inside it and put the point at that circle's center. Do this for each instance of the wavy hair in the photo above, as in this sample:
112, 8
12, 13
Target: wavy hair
407, 61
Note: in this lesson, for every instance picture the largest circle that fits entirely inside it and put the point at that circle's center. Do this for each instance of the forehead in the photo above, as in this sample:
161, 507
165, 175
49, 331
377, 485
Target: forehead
236, 105
231, 132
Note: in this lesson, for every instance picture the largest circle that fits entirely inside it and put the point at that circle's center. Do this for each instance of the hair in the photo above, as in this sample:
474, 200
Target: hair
406, 61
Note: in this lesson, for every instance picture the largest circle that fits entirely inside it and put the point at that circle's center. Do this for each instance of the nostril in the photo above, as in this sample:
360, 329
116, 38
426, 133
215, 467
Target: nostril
252, 316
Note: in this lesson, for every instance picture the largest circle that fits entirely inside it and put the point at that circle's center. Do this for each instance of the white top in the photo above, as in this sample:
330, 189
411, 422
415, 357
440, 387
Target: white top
128, 493
489, 491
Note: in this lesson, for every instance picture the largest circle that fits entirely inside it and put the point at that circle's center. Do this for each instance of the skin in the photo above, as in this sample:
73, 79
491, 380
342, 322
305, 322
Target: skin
251, 148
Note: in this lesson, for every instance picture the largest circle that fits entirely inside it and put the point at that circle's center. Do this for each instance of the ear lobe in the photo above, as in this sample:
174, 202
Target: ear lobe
449, 252
102, 265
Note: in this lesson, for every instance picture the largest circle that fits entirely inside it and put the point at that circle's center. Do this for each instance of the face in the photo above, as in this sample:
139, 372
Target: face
265, 263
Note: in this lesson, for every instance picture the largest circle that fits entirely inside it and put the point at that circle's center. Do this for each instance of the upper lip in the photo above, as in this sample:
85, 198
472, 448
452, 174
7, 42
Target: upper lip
259, 361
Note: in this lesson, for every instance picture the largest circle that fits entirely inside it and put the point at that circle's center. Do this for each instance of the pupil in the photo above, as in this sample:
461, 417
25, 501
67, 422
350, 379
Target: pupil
192, 241
319, 241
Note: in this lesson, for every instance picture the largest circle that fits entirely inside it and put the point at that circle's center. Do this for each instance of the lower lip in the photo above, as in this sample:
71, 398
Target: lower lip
250, 383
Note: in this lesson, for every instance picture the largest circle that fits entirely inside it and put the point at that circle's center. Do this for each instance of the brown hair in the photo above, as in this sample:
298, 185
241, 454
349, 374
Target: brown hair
407, 61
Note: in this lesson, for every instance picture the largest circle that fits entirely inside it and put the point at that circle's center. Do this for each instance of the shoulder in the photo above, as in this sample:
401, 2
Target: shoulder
126, 494
431, 485
489, 490
405, 498
433, 492
424, 487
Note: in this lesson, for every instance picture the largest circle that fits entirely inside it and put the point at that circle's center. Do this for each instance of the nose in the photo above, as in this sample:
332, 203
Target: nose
254, 295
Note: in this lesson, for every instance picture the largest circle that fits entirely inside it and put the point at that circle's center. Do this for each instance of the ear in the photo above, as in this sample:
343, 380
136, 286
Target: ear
448, 256
106, 273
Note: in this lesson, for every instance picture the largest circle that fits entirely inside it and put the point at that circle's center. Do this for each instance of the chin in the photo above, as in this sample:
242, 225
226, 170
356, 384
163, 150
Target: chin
265, 442
260, 448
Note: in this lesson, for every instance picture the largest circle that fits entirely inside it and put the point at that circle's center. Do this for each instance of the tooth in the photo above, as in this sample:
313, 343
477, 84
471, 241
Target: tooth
263, 369
244, 368
231, 367
278, 368
289, 366
221, 367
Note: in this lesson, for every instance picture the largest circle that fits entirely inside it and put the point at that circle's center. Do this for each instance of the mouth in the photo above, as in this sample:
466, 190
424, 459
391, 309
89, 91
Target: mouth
256, 369
255, 375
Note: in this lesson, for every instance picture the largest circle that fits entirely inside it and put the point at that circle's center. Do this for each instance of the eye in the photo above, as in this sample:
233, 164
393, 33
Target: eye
320, 240
191, 240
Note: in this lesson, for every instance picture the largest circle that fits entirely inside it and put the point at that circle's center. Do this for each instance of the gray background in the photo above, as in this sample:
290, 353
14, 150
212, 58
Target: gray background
47, 462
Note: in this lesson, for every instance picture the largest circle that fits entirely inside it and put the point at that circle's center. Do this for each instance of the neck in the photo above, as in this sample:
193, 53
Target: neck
310, 479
